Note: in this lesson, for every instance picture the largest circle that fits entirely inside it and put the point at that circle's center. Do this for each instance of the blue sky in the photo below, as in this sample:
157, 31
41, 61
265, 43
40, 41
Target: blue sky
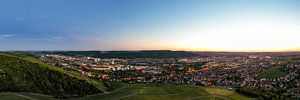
144, 24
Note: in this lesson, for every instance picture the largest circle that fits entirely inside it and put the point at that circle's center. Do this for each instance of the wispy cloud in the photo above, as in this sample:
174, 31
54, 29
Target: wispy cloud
42, 16
7, 36
89, 39
57, 38
32, 38
18, 18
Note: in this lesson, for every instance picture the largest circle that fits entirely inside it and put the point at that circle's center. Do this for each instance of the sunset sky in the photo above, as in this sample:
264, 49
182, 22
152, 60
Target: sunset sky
192, 25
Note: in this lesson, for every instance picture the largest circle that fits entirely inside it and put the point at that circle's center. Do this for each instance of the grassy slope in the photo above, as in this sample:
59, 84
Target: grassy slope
273, 72
31, 58
169, 92
12, 96
146, 92
24, 96
227, 93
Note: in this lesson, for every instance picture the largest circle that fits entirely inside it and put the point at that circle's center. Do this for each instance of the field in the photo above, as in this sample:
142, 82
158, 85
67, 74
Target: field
228, 93
169, 92
273, 72
145, 92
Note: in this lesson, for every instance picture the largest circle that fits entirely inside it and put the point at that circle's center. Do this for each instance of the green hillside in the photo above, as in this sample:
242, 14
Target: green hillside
23, 73
167, 92
273, 72
145, 92
24, 96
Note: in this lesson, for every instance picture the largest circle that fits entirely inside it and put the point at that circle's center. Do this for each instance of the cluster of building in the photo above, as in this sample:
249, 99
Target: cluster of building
230, 71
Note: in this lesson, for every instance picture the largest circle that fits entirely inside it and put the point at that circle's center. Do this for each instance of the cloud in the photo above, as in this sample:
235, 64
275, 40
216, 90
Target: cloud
55, 38
42, 16
58, 38
18, 18
5, 36
89, 39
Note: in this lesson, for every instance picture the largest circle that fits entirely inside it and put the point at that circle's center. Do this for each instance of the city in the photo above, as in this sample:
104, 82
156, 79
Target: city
149, 50
233, 72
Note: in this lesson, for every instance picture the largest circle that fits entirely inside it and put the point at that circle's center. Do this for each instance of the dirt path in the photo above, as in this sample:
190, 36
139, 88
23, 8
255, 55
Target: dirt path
20, 95
192, 98
133, 94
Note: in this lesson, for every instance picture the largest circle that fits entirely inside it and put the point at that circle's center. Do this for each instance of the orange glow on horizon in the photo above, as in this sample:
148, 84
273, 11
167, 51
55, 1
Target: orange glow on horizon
214, 50
220, 50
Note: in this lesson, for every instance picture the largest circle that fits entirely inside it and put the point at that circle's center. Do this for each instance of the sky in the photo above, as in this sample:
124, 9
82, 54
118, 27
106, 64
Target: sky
192, 25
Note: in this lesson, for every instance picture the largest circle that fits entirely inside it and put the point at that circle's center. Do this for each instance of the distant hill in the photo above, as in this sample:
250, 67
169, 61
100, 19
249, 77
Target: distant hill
246, 53
163, 53
23, 73
128, 54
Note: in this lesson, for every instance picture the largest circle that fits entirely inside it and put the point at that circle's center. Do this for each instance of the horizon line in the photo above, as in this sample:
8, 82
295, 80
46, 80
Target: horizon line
160, 50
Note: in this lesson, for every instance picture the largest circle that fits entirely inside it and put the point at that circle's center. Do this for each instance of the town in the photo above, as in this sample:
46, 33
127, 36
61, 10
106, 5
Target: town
226, 71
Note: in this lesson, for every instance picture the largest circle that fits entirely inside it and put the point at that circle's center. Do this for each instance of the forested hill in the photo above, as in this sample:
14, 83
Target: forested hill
22, 73
128, 54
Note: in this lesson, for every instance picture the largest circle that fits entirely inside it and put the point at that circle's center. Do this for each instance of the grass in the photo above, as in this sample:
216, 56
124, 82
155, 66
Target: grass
37, 96
169, 92
145, 92
9, 96
115, 95
23, 96
31, 58
218, 91
227, 93
237, 96
273, 72
158, 91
